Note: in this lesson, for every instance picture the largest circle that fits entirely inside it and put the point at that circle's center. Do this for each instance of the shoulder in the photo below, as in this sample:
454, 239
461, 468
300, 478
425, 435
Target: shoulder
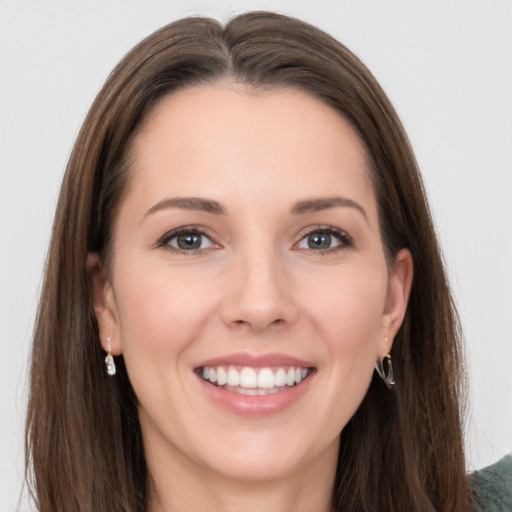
492, 486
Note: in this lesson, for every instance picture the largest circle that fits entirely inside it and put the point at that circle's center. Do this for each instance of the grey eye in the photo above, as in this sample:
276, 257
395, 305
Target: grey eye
319, 241
189, 241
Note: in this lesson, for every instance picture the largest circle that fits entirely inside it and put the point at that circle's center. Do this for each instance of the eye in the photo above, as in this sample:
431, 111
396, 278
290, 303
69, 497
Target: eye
326, 239
187, 240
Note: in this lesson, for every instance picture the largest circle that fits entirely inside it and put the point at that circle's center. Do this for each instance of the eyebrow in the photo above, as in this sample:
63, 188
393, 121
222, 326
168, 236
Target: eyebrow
188, 203
325, 203
214, 207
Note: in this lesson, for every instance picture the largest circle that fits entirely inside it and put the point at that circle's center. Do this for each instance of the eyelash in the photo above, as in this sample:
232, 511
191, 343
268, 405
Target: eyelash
345, 240
163, 242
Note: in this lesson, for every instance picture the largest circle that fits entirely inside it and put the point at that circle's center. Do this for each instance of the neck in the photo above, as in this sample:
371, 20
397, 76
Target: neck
176, 487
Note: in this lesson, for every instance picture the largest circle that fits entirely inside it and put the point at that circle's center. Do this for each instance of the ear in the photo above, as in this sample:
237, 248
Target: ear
399, 289
104, 305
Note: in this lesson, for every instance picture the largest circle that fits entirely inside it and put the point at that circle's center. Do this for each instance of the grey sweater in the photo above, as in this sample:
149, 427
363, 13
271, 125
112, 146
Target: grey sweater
492, 487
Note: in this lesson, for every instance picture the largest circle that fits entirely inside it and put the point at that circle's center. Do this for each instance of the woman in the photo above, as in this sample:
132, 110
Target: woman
246, 217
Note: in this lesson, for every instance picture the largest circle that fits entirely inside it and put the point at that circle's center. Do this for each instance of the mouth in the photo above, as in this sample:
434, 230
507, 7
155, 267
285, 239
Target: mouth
254, 381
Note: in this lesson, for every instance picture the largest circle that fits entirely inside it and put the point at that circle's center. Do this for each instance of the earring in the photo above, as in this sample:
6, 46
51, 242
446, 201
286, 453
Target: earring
109, 360
386, 375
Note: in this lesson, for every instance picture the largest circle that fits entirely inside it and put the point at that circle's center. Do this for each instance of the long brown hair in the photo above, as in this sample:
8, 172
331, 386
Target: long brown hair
403, 449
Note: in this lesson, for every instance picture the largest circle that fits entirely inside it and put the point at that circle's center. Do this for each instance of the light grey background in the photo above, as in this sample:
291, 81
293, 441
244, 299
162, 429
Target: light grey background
446, 65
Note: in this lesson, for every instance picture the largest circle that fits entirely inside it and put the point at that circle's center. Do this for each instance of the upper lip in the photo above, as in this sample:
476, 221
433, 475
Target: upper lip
256, 360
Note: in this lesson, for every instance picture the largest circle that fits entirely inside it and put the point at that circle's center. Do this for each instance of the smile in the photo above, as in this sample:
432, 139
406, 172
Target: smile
247, 380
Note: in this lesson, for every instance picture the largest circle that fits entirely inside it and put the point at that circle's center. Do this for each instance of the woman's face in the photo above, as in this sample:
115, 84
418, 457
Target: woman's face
249, 294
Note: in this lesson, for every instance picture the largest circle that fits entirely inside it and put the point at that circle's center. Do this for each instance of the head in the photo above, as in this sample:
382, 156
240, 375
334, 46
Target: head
274, 57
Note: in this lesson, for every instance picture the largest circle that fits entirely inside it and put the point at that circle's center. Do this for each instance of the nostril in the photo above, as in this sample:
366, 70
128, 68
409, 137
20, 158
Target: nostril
242, 324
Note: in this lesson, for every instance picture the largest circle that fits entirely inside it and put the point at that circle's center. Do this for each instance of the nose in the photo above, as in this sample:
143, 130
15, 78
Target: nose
259, 295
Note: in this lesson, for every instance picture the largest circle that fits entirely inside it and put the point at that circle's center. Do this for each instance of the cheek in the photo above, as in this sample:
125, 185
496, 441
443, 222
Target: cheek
347, 322
349, 310
160, 311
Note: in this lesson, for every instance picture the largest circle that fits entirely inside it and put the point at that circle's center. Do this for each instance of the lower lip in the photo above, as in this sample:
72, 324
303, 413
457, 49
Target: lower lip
257, 405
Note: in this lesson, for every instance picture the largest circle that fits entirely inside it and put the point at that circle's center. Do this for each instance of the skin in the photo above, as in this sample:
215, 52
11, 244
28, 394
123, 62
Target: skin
255, 286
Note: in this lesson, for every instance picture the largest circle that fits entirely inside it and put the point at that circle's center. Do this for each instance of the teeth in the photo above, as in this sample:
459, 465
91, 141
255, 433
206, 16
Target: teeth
246, 391
280, 377
248, 378
250, 381
233, 377
222, 378
266, 379
252, 391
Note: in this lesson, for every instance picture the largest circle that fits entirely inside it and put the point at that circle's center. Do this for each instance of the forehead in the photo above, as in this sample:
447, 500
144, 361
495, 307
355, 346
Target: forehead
226, 137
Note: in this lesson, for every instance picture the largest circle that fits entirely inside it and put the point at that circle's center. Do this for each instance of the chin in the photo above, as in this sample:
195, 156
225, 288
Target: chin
268, 456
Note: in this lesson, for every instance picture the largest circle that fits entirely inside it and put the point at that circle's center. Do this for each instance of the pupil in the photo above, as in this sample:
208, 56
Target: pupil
189, 241
319, 241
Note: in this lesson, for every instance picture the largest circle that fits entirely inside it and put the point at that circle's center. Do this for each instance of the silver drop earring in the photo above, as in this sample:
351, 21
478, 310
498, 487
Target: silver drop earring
386, 374
109, 360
